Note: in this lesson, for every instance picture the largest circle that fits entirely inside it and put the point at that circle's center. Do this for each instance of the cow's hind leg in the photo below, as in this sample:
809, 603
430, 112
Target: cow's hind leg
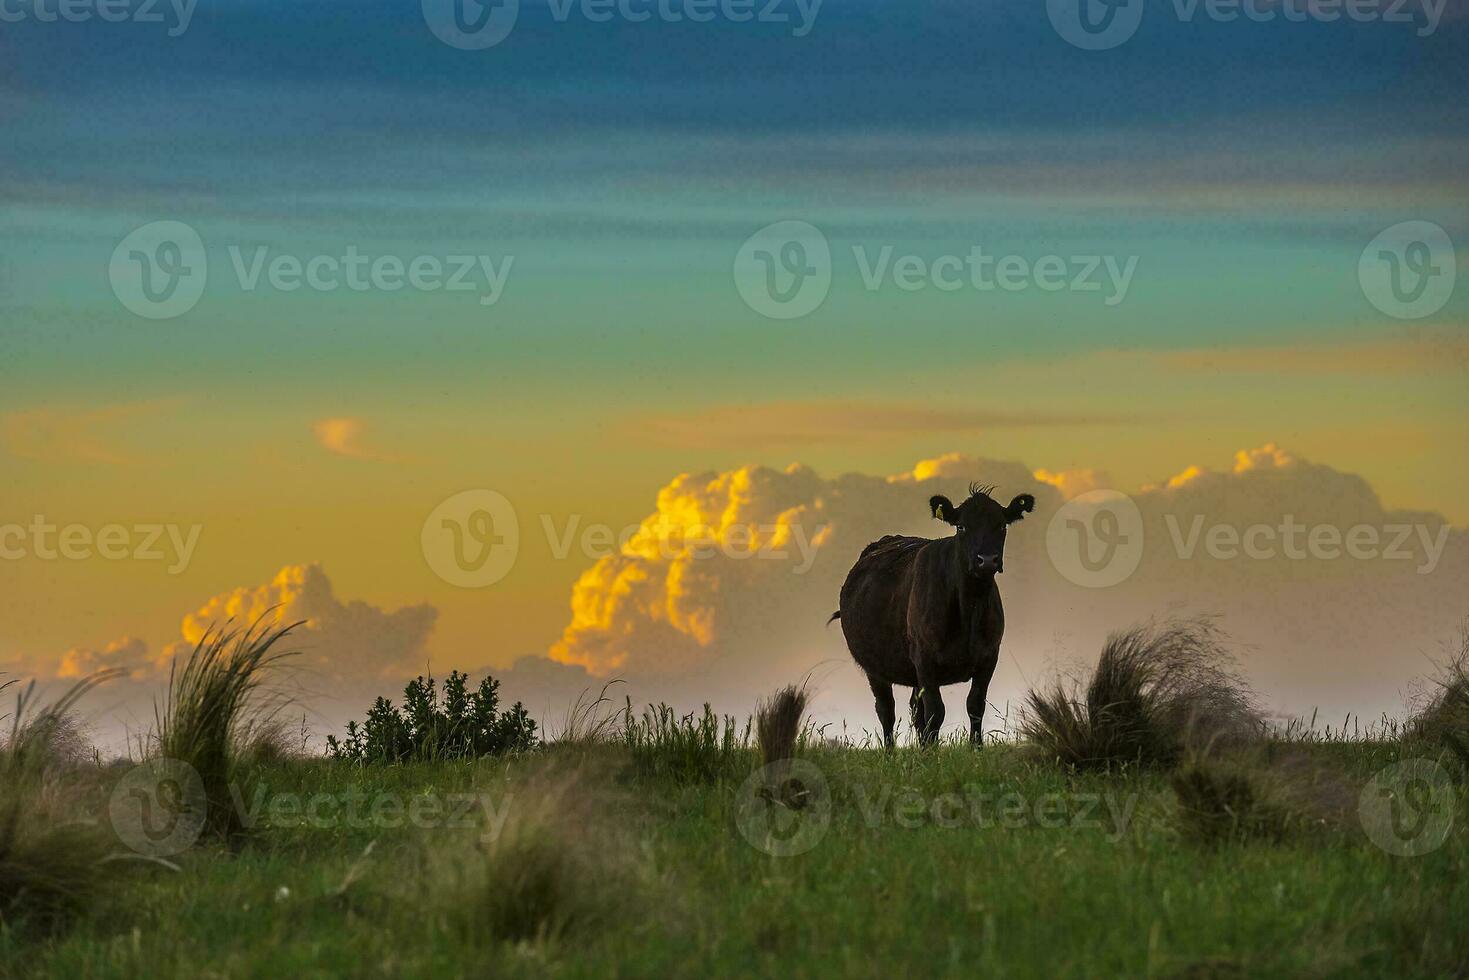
887, 709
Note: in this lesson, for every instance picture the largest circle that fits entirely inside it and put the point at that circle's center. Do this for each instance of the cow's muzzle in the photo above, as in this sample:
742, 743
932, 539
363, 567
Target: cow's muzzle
986, 565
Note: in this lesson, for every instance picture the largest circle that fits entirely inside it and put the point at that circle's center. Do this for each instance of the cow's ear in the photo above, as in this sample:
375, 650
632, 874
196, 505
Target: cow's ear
942, 508
1023, 504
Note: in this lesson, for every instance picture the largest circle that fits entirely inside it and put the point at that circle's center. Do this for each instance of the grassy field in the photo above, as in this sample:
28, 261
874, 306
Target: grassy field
610, 860
1148, 824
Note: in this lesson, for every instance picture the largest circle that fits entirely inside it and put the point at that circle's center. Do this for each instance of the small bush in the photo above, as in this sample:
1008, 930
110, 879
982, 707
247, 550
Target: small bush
686, 748
1157, 691
464, 725
213, 711
778, 725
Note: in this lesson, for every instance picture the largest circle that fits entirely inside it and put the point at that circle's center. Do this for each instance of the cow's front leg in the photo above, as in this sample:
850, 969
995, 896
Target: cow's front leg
916, 715
979, 689
933, 709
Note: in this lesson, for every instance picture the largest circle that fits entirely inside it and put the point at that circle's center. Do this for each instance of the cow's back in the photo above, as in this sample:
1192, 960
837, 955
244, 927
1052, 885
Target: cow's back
874, 608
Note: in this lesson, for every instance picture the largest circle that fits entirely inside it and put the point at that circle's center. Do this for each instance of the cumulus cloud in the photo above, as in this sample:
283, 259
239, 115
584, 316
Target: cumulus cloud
1333, 626
128, 654
338, 639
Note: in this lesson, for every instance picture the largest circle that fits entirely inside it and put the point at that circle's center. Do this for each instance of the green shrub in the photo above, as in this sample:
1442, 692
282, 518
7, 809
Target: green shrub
463, 725
686, 748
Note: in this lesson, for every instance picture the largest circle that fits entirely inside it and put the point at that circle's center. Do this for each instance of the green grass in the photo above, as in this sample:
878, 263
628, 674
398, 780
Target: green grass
610, 865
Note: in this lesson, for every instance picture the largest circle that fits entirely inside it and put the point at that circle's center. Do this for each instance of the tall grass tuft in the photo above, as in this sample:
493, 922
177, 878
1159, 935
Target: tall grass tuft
589, 720
1444, 719
44, 735
213, 716
554, 868
1157, 690
778, 724
689, 748
52, 859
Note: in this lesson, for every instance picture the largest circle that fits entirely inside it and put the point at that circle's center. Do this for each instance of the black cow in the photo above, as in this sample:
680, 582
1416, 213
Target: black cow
924, 613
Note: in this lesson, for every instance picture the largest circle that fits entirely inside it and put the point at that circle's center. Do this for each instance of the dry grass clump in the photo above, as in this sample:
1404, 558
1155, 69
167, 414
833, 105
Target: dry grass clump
52, 859
1444, 718
778, 724
1157, 690
213, 716
556, 867
1246, 797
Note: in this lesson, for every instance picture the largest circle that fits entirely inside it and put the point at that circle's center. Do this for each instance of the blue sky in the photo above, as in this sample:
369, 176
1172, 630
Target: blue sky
622, 165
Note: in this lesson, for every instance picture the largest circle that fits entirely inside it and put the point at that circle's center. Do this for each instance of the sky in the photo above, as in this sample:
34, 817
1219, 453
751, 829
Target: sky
1206, 197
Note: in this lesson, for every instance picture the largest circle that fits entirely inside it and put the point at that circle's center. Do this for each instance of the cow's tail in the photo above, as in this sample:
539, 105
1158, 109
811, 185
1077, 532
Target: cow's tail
834, 617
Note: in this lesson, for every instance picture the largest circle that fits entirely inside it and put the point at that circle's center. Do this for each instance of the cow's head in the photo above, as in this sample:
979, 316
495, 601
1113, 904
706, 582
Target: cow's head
980, 523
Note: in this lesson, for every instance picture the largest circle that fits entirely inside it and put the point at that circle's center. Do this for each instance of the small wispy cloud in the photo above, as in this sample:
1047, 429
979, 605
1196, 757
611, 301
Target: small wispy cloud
343, 436
62, 433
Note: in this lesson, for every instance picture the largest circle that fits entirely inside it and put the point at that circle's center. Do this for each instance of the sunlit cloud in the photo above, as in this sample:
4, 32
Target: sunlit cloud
128, 654
343, 437
734, 622
338, 638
